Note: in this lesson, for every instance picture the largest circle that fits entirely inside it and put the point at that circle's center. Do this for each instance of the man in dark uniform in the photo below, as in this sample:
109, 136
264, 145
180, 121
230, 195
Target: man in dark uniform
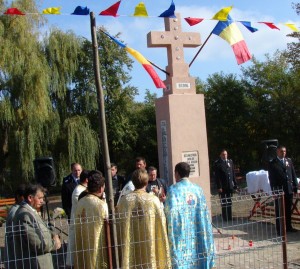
226, 183
118, 182
282, 176
68, 186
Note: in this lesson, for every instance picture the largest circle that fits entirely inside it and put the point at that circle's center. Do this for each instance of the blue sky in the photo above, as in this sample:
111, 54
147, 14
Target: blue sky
216, 56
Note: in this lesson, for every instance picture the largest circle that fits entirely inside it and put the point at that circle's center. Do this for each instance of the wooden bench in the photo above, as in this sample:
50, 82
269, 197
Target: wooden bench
4, 203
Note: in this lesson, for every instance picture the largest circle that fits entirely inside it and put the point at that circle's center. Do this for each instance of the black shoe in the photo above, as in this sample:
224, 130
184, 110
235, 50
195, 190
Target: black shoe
291, 230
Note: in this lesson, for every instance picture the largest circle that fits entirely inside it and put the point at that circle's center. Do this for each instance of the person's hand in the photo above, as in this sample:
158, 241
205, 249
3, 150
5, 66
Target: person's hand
163, 197
57, 243
220, 190
155, 191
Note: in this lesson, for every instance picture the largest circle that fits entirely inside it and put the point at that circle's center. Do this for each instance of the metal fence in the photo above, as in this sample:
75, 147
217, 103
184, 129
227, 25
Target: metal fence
248, 240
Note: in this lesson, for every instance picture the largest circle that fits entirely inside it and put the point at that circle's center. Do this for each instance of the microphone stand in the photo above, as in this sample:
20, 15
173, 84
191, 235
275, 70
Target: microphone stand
50, 225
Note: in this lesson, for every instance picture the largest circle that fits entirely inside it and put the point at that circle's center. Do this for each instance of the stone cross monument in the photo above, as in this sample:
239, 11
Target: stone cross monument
180, 114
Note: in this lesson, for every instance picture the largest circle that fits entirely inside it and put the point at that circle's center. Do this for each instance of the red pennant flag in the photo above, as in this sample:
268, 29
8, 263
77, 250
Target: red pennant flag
13, 11
270, 24
112, 10
193, 21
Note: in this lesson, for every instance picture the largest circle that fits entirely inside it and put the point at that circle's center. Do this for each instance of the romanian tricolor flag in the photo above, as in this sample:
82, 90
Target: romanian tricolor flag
143, 61
229, 31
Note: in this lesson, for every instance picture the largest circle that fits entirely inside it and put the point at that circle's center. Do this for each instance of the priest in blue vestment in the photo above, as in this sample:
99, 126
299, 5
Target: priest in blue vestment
189, 225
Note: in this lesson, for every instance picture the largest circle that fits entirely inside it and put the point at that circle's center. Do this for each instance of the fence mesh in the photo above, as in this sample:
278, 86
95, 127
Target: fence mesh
248, 240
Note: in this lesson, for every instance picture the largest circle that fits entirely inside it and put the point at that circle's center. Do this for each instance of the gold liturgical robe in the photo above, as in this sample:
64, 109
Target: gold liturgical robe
142, 233
91, 247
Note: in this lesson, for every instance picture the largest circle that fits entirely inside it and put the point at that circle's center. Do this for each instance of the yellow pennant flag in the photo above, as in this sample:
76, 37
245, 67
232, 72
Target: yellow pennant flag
140, 10
222, 14
52, 10
292, 26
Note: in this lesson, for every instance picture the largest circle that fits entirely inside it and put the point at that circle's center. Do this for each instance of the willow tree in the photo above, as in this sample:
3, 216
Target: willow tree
35, 79
119, 98
25, 102
76, 141
115, 65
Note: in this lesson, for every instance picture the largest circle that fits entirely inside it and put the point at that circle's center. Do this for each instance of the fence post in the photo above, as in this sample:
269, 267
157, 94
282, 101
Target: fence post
108, 243
283, 229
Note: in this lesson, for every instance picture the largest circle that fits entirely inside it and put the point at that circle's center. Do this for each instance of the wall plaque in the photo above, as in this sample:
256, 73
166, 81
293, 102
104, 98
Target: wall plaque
192, 158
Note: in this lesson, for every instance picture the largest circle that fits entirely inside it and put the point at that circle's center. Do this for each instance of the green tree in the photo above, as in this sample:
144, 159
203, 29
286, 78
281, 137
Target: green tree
115, 66
80, 141
293, 48
35, 79
119, 96
272, 89
145, 121
25, 105
226, 117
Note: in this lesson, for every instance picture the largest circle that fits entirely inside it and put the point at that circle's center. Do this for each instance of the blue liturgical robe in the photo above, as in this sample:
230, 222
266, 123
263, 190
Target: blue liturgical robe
189, 227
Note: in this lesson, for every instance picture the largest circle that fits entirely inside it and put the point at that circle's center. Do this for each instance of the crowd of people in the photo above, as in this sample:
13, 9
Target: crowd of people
143, 207
158, 226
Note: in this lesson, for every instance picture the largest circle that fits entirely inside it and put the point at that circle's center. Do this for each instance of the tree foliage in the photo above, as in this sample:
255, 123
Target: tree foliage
115, 66
143, 118
263, 104
48, 102
226, 111
36, 80
25, 102
293, 49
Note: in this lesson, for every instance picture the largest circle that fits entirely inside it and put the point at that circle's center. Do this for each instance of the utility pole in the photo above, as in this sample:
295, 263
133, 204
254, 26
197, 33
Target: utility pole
104, 142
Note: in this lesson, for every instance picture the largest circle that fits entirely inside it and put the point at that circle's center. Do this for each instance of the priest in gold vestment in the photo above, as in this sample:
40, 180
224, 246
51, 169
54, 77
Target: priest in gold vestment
141, 224
91, 247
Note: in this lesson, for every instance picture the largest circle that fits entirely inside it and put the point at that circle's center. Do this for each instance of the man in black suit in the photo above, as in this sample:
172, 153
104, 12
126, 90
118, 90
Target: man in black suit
118, 182
282, 176
226, 183
68, 186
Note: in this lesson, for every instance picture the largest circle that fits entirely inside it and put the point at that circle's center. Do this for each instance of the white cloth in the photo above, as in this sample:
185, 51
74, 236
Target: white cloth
258, 181
71, 240
128, 188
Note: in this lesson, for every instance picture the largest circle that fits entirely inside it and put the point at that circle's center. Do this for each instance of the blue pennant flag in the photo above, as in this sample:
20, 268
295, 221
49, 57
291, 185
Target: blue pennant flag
169, 13
247, 24
81, 11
